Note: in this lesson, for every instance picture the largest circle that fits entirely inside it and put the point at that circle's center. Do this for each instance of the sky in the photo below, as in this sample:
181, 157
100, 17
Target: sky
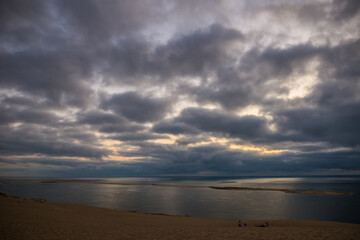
179, 88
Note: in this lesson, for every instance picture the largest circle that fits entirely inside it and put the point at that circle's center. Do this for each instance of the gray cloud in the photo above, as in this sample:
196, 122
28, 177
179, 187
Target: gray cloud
247, 83
174, 127
340, 75
44, 142
136, 107
192, 119
323, 124
98, 22
199, 51
21, 21
108, 122
133, 60
346, 9
235, 91
217, 159
20, 110
57, 77
186, 140
140, 136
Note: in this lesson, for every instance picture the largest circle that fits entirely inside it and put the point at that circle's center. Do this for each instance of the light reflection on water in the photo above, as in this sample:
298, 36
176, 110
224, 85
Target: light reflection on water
206, 202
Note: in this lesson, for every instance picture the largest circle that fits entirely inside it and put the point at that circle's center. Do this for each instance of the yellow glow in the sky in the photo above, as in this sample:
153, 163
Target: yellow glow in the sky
170, 140
219, 140
210, 140
261, 150
302, 86
250, 110
109, 142
225, 142
108, 158
120, 158
34, 156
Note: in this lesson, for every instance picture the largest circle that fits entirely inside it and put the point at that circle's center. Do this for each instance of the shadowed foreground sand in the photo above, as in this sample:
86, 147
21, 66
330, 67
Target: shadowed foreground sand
39, 219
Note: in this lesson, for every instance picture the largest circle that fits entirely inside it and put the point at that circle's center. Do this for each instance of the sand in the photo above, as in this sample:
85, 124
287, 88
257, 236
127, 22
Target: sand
301, 191
38, 219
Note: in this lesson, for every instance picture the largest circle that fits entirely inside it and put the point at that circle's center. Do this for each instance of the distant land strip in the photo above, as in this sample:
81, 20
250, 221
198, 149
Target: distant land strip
308, 192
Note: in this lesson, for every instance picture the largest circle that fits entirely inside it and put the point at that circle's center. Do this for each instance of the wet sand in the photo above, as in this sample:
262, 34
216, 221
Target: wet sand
38, 219
310, 192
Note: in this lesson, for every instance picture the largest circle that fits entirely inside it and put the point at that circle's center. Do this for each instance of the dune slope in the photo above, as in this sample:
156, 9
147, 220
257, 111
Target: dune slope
38, 219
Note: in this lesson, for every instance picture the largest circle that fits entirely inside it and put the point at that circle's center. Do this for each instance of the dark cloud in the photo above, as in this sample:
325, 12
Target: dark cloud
108, 122
129, 61
337, 125
279, 62
235, 91
219, 160
21, 143
347, 9
51, 48
140, 136
19, 110
174, 127
97, 22
100, 117
136, 107
28, 162
198, 160
21, 23
34, 116
186, 140
57, 77
340, 76
6, 117
36, 58
246, 127
199, 51
16, 101
249, 81
185, 55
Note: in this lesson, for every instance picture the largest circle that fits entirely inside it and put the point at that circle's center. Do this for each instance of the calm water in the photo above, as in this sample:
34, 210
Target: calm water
203, 202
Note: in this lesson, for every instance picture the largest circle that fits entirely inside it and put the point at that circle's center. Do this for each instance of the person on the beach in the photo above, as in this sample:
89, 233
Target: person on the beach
240, 224
265, 224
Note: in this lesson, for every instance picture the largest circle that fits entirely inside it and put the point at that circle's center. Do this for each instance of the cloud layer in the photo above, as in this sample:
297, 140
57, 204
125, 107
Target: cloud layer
139, 88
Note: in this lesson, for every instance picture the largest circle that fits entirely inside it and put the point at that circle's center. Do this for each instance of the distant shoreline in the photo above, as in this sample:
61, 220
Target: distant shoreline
293, 191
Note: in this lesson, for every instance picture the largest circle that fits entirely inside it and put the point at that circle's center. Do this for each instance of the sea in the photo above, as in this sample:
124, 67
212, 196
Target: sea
204, 202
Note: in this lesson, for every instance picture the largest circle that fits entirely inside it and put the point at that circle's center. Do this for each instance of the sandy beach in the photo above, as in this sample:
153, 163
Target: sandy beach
39, 219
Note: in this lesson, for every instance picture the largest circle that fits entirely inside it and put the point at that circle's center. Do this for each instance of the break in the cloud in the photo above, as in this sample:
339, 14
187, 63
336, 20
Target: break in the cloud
145, 87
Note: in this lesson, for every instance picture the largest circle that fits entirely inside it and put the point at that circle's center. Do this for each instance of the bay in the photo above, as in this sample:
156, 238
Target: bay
204, 202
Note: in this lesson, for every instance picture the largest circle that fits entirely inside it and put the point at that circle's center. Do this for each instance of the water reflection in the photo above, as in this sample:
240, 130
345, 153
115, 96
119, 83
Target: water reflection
205, 202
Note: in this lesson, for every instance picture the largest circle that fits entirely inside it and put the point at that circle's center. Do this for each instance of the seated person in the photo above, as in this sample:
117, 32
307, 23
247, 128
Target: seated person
265, 224
240, 224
